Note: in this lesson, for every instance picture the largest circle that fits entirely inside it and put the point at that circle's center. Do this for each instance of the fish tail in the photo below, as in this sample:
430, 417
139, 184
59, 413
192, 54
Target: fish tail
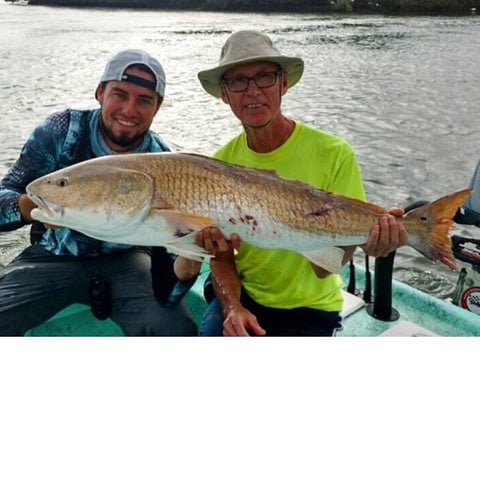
435, 220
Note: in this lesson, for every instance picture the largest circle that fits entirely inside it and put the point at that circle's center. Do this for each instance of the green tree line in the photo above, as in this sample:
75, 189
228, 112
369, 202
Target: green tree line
356, 6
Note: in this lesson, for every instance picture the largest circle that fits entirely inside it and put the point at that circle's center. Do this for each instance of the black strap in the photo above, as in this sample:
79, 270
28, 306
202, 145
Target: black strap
141, 82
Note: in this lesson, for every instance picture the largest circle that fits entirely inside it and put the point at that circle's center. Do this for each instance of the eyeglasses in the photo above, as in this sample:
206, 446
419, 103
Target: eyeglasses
241, 83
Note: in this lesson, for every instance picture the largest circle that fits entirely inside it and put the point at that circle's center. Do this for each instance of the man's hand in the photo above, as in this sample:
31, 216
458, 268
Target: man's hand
388, 235
25, 206
238, 320
213, 240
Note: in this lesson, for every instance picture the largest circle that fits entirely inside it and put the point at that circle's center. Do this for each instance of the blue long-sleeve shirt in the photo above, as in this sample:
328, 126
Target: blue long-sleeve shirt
63, 139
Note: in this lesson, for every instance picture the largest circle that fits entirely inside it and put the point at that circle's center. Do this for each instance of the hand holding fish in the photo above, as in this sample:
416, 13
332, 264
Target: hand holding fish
213, 240
210, 239
25, 206
387, 235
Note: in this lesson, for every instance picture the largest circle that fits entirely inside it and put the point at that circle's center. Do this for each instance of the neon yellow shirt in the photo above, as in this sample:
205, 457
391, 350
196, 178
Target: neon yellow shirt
278, 278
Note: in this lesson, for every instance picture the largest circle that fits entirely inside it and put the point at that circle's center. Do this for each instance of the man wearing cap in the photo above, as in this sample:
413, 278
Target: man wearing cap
274, 292
62, 266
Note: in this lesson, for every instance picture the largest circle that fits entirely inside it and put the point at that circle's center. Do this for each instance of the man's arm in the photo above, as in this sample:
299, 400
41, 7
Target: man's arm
38, 157
226, 282
228, 289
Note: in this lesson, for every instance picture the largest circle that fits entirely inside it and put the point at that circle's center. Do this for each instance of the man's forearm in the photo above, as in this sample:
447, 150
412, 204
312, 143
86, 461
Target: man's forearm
226, 283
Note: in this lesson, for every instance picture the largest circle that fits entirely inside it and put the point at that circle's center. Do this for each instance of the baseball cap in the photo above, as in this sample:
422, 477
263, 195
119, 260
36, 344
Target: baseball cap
115, 70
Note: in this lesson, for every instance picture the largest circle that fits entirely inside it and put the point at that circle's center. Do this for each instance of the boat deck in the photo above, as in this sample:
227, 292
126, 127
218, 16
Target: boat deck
419, 315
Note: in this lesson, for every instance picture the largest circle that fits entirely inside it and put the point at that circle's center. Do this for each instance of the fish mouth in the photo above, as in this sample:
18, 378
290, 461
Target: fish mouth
49, 209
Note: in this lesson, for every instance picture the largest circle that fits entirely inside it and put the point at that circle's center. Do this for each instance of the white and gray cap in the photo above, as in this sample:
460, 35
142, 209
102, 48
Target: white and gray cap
119, 63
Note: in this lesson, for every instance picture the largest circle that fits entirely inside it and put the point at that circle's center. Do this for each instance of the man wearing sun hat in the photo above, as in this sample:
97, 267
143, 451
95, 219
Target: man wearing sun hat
274, 292
63, 266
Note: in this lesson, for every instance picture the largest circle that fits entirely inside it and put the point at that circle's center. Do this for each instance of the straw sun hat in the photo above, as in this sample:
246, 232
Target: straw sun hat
248, 46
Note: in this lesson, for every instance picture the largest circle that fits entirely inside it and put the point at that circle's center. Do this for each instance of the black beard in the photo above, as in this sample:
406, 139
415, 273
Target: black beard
124, 140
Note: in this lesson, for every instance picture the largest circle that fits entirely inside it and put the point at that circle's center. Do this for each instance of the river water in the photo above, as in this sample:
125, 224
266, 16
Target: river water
404, 91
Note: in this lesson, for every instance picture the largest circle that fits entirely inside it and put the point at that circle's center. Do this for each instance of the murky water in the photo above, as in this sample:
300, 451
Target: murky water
404, 91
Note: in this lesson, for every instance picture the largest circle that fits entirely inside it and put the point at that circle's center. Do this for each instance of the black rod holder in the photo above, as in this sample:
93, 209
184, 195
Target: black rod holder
381, 308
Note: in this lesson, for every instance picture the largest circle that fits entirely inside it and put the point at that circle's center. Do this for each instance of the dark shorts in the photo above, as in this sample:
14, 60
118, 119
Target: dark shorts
276, 321
293, 322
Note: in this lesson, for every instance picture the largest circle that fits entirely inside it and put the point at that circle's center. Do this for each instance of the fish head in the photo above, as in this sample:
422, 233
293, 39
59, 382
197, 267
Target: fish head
92, 197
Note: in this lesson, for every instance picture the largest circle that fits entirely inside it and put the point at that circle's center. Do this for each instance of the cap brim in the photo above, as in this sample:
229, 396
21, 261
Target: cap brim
210, 79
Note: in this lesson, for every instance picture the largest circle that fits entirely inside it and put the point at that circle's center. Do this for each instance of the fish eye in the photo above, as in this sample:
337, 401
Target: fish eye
62, 182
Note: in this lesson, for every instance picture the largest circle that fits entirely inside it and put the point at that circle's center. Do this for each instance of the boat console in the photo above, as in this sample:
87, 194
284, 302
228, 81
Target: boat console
467, 250
469, 212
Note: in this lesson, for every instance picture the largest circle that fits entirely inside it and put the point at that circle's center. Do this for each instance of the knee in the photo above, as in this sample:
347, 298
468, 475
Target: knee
212, 323
159, 321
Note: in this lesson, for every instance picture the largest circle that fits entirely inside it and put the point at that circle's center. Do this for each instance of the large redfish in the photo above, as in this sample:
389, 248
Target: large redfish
164, 198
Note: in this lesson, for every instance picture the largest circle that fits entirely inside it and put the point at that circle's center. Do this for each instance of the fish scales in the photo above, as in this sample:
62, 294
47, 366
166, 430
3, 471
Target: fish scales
294, 206
287, 202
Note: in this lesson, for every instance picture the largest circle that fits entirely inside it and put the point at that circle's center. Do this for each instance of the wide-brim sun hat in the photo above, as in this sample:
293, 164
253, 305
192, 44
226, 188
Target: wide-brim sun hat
248, 46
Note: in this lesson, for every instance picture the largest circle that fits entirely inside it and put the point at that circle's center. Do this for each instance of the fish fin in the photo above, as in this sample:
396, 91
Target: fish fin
434, 241
183, 223
330, 258
186, 247
185, 226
